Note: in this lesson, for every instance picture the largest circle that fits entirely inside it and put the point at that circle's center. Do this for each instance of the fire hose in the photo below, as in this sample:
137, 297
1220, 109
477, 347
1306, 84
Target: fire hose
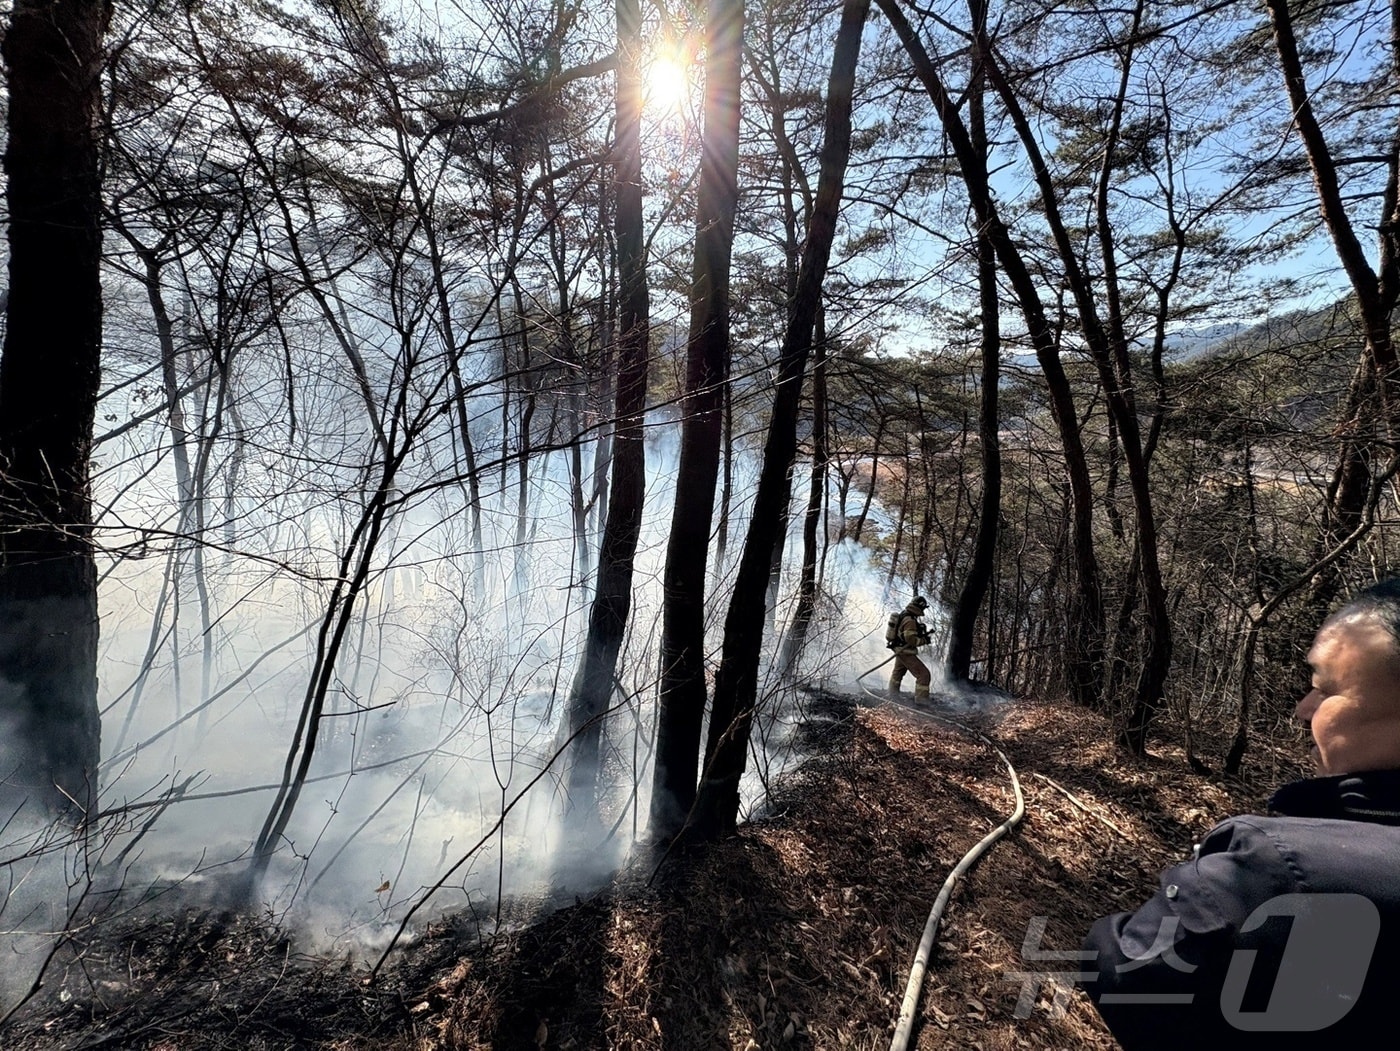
910, 1007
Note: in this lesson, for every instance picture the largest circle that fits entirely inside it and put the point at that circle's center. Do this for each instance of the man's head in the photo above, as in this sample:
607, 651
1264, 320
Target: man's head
1353, 709
917, 605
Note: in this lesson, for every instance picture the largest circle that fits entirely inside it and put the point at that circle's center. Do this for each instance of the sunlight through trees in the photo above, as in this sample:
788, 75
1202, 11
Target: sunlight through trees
440, 445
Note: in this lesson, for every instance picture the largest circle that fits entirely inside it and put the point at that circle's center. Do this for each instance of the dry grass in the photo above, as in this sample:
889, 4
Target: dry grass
798, 933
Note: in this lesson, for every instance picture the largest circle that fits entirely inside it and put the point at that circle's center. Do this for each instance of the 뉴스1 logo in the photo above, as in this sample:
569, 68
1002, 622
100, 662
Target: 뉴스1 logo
1318, 979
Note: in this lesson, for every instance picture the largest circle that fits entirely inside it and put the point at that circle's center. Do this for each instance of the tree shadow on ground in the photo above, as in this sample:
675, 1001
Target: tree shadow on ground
667, 958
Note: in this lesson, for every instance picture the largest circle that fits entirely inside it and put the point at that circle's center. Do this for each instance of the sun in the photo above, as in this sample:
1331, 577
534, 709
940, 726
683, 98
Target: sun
668, 85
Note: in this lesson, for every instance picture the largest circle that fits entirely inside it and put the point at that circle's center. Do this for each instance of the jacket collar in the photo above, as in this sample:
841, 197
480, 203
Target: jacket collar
1372, 796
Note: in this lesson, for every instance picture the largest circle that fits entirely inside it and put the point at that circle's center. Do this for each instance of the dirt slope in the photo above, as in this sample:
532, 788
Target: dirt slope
798, 933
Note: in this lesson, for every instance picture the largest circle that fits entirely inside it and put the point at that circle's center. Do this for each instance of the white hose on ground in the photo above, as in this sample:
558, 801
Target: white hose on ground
910, 1008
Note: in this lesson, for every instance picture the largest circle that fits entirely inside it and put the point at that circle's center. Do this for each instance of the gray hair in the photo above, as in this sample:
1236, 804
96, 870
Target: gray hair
1380, 600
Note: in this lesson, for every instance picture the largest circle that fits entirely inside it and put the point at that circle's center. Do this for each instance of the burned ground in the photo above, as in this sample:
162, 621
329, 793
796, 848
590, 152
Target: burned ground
797, 933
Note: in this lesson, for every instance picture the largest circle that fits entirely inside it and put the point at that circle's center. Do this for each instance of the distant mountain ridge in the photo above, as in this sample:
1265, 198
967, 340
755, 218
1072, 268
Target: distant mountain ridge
1327, 324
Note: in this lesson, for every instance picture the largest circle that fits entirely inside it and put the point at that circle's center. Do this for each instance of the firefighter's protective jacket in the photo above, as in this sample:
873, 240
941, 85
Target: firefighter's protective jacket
911, 632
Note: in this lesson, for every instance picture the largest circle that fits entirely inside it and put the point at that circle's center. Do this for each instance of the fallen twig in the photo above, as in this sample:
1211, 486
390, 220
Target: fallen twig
1071, 797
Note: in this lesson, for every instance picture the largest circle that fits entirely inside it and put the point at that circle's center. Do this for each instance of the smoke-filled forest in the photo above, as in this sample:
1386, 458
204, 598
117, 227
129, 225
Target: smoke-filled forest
457, 462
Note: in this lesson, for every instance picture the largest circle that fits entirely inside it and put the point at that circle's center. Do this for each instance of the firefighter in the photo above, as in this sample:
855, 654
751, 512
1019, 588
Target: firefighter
905, 634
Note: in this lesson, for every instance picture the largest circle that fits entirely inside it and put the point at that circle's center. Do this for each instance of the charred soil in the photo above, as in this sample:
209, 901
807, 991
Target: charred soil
797, 933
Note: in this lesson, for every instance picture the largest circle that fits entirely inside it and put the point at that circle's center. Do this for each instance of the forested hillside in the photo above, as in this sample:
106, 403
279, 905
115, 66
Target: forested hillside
443, 447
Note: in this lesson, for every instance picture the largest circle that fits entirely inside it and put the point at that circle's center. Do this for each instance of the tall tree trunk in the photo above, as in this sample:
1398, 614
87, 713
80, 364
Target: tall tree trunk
791, 175
902, 519
882, 420
566, 351
1084, 645
48, 394
1373, 410
607, 619
682, 702
775, 563
979, 573
736, 682
606, 393
812, 516
1157, 635
726, 480
1109, 350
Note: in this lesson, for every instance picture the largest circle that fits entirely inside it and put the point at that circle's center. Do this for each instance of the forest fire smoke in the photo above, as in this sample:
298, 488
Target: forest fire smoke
439, 747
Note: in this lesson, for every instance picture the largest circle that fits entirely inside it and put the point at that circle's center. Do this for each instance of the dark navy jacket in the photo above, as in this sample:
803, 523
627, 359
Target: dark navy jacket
1280, 932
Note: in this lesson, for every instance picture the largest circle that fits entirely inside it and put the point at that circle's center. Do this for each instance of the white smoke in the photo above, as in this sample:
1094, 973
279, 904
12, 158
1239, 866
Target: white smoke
446, 704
